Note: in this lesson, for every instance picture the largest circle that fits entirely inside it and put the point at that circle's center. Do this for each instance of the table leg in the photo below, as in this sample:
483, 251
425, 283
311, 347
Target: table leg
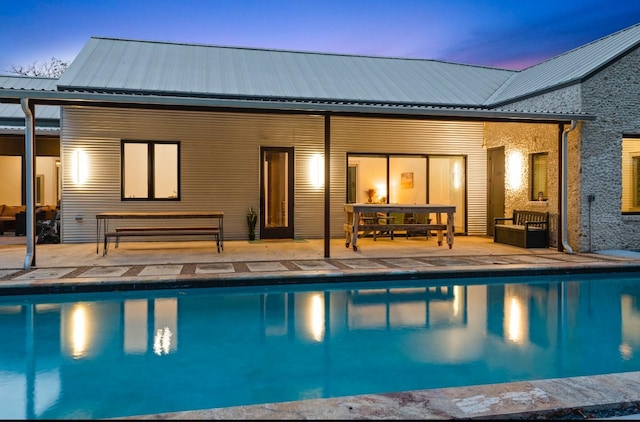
97, 235
450, 229
354, 231
439, 221
348, 220
221, 234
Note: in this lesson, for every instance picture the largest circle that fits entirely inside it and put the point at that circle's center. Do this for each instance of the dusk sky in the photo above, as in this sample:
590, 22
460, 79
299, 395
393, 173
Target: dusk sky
499, 33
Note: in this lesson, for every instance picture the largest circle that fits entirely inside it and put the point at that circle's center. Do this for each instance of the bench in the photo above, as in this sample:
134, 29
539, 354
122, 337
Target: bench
527, 229
386, 224
160, 231
103, 219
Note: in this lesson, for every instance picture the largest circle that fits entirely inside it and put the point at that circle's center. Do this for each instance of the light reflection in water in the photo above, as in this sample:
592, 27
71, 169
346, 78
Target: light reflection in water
514, 321
165, 339
79, 331
457, 299
626, 351
162, 341
426, 336
316, 317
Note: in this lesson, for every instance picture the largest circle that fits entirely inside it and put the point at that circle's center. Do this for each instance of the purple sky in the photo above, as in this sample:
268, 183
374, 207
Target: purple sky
509, 34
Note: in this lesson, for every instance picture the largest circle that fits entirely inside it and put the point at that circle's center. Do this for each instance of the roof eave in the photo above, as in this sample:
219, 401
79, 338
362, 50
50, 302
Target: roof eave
293, 105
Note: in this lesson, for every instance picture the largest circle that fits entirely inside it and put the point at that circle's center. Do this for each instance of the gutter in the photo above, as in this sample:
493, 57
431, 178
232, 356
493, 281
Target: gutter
29, 141
565, 147
304, 106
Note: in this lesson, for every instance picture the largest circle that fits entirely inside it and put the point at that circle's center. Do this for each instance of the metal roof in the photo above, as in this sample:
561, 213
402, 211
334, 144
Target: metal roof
28, 83
14, 111
570, 67
130, 66
149, 73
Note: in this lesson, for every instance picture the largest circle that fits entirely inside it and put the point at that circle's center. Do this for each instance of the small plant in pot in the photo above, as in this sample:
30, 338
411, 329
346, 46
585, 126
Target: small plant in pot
252, 220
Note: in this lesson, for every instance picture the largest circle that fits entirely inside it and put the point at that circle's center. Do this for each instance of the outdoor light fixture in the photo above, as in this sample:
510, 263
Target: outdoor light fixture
457, 176
515, 168
79, 167
316, 171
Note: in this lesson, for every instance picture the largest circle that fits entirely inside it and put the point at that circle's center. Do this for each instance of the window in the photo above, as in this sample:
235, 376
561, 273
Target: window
150, 170
539, 177
631, 175
409, 179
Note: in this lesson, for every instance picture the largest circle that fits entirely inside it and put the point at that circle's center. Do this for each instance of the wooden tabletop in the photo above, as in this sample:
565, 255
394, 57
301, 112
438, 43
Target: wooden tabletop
162, 214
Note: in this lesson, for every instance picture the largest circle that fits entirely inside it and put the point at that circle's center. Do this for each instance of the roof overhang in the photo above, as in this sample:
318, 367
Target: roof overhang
319, 106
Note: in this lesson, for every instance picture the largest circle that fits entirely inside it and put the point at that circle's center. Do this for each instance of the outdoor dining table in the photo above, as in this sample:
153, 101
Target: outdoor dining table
353, 212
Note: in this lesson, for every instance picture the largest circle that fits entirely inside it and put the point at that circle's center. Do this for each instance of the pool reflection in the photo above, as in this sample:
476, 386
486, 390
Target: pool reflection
68, 354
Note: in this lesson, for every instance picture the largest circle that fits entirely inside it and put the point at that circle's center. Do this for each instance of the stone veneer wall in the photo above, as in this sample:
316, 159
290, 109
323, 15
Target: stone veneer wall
525, 139
613, 96
595, 151
567, 99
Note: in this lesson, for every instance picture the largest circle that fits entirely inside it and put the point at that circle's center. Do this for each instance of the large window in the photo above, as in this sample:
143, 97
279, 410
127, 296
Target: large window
539, 177
409, 179
150, 170
631, 175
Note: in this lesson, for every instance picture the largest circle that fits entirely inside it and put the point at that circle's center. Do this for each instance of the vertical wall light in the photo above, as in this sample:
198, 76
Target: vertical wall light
79, 167
457, 176
515, 170
316, 171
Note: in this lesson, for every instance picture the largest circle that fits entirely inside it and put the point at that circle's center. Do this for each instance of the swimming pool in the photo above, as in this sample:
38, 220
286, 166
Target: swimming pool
122, 354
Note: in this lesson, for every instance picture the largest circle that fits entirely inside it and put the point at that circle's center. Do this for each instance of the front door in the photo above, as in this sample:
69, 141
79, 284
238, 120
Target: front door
276, 193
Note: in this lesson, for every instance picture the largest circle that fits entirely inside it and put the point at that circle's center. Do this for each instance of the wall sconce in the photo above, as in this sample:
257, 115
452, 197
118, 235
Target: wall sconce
79, 167
514, 170
316, 171
457, 176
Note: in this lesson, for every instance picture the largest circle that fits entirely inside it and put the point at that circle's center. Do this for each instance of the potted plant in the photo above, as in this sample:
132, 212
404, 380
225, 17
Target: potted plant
371, 193
252, 220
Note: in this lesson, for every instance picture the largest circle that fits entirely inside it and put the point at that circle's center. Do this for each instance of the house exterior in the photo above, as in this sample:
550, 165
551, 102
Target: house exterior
297, 135
12, 145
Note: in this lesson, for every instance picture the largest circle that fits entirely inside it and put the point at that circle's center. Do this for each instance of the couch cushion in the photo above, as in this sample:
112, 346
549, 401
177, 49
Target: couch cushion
12, 210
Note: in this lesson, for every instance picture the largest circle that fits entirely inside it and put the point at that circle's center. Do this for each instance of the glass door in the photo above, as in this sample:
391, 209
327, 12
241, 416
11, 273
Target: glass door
276, 194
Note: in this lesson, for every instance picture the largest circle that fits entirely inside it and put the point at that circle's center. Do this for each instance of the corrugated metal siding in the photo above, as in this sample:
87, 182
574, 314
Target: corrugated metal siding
219, 159
360, 135
220, 162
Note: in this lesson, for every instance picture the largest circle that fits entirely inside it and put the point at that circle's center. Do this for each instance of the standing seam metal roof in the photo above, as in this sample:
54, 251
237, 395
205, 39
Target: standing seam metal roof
570, 67
107, 64
126, 68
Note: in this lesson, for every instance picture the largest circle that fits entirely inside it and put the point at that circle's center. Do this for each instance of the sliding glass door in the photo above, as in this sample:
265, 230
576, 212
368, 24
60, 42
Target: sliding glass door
409, 179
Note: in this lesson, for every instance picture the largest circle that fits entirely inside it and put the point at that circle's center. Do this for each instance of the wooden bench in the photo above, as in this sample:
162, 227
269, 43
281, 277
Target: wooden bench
103, 219
160, 231
393, 227
527, 229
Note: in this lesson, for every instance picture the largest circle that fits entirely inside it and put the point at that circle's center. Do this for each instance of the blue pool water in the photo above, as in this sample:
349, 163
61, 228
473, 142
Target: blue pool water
123, 354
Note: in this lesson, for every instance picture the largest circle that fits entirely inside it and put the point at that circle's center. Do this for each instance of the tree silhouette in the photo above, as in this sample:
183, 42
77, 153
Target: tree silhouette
53, 68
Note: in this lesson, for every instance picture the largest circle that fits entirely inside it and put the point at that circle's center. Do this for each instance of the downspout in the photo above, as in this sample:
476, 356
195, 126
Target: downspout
565, 148
30, 258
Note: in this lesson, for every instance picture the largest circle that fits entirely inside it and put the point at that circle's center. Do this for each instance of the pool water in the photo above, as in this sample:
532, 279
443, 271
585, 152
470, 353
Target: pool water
109, 355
